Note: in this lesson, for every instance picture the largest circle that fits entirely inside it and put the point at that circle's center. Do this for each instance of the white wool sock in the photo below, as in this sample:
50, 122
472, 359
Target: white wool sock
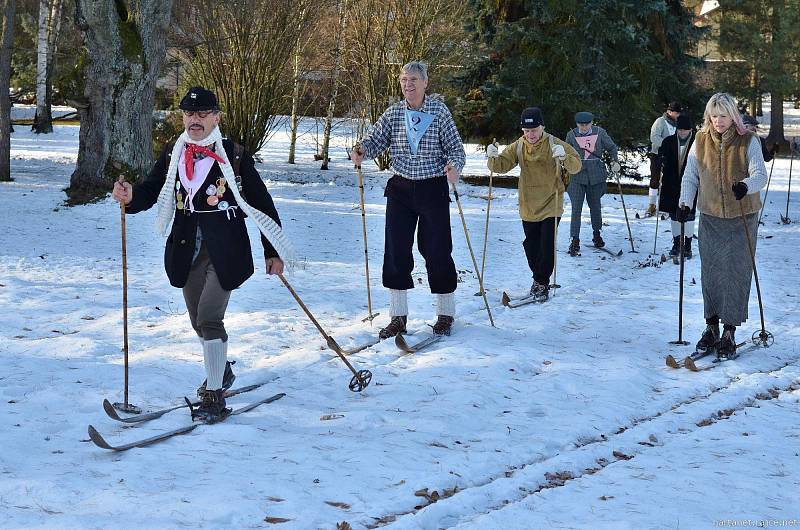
653, 195
398, 304
446, 304
688, 230
215, 356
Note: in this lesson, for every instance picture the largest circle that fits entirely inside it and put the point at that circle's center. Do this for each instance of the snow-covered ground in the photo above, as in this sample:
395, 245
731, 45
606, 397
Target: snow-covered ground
28, 112
563, 416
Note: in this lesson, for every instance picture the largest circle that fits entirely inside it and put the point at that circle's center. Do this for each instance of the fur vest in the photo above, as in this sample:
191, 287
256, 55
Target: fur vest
722, 162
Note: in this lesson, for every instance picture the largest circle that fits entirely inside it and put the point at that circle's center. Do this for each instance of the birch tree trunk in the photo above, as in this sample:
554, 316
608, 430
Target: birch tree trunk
295, 102
56, 13
8, 8
43, 120
125, 41
337, 66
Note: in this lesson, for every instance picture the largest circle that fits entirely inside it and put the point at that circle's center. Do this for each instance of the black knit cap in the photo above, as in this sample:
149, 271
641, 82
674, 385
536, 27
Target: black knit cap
531, 118
199, 99
749, 120
684, 122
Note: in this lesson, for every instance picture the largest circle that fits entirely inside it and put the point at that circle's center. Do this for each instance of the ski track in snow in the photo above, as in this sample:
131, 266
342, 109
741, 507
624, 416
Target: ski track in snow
516, 426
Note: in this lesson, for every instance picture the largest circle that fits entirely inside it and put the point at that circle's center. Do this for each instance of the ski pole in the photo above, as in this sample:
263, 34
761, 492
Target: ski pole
125, 406
486, 229
555, 284
615, 167
785, 220
370, 316
680, 340
766, 192
763, 338
472, 254
361, 378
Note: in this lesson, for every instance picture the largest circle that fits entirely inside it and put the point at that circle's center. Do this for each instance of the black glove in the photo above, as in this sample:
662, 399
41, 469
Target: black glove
739, 190
775, 149
682, 214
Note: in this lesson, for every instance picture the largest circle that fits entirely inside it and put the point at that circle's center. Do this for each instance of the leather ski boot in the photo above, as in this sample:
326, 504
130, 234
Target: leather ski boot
443, 325
540, 292
212, 408
395, 326
575, 247
597, 239
708, 341
675, 251
726, 348
687, 248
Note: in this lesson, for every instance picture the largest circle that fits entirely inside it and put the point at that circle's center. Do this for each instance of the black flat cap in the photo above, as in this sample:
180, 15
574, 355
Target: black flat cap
199, 99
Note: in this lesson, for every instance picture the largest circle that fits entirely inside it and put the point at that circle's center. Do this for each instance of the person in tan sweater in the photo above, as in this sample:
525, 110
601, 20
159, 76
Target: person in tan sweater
545, 165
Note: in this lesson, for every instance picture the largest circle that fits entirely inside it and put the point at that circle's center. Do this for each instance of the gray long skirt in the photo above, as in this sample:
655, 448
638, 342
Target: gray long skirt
725, 267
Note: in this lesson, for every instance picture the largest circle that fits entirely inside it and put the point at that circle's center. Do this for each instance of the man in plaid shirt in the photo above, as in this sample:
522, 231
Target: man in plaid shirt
426, 153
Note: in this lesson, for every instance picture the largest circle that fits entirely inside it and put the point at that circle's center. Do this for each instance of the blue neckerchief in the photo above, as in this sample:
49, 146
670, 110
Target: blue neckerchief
416, 124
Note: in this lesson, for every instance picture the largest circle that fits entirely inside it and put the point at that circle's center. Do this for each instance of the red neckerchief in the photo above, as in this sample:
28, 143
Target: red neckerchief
188, 157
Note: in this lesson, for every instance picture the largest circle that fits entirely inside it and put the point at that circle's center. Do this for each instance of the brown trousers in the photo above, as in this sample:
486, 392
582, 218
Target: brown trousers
205, 298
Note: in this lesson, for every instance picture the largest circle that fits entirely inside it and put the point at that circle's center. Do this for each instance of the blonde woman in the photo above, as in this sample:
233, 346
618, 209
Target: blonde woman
725, 171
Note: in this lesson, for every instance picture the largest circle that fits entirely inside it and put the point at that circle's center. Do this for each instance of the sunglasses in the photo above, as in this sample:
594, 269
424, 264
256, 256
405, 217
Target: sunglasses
198, 113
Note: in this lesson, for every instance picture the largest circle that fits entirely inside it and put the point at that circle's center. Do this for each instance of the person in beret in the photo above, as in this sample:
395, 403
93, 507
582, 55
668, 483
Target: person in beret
199, 184
592, 143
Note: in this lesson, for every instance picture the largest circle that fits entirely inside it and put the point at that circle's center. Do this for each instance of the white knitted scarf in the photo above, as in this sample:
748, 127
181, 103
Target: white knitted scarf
166, 198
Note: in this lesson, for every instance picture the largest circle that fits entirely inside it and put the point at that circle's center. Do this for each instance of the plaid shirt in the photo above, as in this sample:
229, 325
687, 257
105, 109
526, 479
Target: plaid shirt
440, 145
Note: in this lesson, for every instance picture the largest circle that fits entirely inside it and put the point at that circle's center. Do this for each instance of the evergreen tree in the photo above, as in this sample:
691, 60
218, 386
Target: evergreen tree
621, 60
758, 43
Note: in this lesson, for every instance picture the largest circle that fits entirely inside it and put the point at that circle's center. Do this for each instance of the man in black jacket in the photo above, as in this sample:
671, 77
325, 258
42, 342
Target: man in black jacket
670, 164
200, 184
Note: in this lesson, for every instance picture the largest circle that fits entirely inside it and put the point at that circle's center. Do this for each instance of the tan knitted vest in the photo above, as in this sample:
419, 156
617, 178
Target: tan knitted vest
722, 161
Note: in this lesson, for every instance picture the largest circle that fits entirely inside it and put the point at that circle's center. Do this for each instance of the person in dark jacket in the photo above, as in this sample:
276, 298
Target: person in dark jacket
751, 124
664, 126
671, 163
200, 183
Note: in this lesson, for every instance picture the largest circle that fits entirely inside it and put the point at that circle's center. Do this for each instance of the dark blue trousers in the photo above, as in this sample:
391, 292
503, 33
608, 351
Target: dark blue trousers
422, 206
